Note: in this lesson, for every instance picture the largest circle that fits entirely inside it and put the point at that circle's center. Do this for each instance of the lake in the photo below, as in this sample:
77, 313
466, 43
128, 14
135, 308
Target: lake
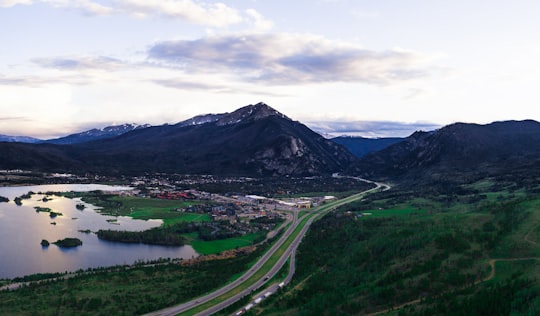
22, 229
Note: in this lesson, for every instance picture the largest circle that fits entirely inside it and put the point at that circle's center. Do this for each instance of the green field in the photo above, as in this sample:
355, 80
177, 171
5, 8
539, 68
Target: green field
409, 211
143, 208
217, 246
170, 217
140, 207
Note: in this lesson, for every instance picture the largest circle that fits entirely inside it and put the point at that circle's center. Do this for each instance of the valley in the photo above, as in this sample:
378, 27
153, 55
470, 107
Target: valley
269, 158
285, 222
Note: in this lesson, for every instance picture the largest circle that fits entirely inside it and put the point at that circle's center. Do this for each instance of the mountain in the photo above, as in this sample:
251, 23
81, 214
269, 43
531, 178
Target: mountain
253, 140
95, 134
201, 119
19, 139
456, 151
361, 146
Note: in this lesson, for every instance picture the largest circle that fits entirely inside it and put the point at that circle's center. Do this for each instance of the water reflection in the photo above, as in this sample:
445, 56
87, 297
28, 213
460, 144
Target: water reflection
22, 229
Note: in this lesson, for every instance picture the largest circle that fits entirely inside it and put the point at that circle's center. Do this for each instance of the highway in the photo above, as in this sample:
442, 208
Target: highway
177, 309
289, 252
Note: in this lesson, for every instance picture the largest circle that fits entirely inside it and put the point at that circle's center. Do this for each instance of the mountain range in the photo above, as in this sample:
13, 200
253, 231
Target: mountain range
19, 139
86, 136
253, 140
257, 140
458, 150
95, 134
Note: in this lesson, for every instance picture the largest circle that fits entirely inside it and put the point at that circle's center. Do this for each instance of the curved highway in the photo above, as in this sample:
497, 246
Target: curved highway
290, 251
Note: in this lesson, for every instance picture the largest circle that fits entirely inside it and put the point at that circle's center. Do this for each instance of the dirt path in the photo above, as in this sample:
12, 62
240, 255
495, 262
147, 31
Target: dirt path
526, 238
491, 275
492, 265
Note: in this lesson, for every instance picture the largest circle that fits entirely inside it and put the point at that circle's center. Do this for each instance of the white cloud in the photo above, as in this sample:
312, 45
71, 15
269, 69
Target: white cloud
259, 22
92, 8
12, 3
290, 58
86, 6
214, 14
209, 14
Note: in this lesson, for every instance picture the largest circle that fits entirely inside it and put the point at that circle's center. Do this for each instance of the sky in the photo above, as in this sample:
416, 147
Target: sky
358, 67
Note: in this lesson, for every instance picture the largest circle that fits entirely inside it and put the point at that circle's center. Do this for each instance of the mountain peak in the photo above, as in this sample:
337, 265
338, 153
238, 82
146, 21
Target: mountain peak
250, 112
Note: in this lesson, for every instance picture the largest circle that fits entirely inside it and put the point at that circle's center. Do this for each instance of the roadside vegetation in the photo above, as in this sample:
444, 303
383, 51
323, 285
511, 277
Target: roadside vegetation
429, 251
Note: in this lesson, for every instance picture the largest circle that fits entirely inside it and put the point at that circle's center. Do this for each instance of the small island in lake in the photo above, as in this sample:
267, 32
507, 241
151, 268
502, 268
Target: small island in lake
18, 200
68, 242
54, 214
3, 199
42, 209
80, 206
44, 243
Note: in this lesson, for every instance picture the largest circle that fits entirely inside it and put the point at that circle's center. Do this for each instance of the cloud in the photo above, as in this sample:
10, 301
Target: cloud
211, 14
90, 7
85, 6
214, 14
189, 85
37, 81
13, 118
259, 22
82, 70
370, 128
80, 63
290, 58
12, 3
213, 88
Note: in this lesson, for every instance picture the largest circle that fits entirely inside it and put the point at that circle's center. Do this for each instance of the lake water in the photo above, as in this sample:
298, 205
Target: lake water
22, 229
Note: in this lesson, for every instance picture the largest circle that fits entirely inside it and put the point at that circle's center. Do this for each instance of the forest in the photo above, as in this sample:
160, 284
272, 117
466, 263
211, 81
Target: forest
403, 253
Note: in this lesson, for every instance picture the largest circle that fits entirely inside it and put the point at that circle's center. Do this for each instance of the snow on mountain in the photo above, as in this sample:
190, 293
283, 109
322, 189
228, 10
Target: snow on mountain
95, 134
19, 139
201, 119
250, 112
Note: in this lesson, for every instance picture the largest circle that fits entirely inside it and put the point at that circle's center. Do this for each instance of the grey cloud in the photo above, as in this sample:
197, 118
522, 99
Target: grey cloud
185, 85
289, 58
78, 63
370, 128
13, 118
34, 81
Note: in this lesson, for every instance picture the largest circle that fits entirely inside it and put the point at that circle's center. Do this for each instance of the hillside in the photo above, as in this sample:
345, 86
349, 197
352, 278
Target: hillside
96, 134
457, 150
472, 251
253, 140
361, 146
19, 139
